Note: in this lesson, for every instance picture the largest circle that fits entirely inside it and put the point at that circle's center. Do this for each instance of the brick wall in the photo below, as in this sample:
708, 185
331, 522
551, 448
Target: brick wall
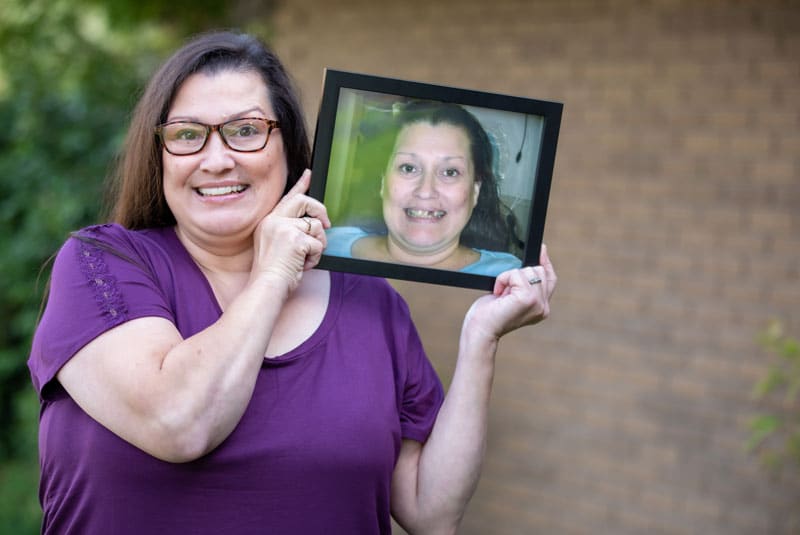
674, 224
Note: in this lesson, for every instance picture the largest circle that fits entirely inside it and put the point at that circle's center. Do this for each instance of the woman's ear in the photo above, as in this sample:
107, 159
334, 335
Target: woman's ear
476, 193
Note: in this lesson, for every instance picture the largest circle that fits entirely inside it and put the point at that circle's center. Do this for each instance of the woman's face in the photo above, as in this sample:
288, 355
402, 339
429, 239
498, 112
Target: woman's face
218, 193
429, 189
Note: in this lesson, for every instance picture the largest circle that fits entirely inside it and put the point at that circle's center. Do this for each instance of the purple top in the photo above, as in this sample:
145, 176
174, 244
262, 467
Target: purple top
315, 449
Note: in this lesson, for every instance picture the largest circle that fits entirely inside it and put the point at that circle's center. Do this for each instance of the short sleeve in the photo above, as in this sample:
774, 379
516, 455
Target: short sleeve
97, 283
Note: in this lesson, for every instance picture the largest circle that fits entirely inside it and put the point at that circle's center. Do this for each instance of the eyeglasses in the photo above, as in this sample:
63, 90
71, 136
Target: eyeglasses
247, 134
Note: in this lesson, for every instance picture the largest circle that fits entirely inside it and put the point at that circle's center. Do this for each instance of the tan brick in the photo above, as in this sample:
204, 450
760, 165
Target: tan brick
770, 220
755, 44
750, 143
703, 507
706, 143
687, 386
684, 71
782, 119
663, 95
777, 171
752, 95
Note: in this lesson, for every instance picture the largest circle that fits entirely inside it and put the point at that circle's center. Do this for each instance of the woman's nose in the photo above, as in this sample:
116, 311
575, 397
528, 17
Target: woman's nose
217, 156
426, 187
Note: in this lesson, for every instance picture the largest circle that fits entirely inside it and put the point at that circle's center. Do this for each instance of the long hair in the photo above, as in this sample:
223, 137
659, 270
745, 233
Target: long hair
491, 225
137, 194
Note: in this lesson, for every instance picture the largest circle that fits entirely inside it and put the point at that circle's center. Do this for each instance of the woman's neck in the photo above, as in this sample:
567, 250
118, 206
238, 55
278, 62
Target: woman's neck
219, 256
382, 248
226, 265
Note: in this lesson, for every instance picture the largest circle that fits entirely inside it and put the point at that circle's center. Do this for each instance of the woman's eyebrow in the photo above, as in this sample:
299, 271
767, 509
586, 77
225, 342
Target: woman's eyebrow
230, 117
414, 154
249, 110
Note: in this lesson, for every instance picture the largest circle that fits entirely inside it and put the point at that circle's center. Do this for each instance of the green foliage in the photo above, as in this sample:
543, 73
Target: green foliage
19, 505
70, 72
776, 434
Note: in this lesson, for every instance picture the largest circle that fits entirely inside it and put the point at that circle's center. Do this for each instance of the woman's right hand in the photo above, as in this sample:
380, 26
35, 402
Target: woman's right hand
291, 238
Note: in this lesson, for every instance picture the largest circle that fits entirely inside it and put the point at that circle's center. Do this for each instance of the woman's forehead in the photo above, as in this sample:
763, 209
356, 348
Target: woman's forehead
428, 137
219, 95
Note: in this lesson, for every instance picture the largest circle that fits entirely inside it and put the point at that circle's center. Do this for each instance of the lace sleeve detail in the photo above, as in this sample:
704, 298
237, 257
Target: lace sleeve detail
103, 283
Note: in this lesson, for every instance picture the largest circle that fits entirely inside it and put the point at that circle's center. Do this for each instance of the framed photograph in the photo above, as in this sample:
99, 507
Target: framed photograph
431, 183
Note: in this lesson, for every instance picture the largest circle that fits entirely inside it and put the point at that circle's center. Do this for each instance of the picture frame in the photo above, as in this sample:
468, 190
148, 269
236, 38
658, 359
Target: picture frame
358, 129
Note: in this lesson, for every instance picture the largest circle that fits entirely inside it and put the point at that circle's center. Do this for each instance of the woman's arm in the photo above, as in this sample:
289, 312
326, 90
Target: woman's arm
432, 483
178, 398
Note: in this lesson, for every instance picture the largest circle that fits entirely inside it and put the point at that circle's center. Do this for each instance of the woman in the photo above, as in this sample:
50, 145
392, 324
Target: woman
440, 202
197, 375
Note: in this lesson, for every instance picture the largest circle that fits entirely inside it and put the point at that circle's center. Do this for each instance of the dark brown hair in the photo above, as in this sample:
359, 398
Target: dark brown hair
137, 195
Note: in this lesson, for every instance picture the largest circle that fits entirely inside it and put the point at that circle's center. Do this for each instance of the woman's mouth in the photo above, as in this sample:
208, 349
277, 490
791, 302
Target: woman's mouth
416, 213
218, 191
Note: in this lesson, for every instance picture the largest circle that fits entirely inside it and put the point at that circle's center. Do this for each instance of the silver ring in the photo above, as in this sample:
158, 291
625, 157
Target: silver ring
534, 280
308, 222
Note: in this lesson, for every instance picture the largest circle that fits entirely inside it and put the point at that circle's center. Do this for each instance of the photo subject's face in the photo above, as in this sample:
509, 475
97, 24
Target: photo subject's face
429, 188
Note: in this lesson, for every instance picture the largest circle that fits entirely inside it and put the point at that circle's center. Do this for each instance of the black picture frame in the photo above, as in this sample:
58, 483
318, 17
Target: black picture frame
351, 116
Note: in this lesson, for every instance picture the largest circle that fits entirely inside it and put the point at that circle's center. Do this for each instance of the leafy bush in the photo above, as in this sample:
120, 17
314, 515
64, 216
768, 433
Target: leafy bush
775, 434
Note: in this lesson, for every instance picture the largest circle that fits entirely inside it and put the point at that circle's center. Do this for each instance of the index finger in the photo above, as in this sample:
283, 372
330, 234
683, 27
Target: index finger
301, 186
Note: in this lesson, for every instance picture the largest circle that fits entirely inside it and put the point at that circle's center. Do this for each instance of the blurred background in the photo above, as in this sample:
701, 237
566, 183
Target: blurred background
661, 396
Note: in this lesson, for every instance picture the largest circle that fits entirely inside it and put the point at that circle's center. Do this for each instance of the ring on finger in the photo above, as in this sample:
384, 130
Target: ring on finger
308, 222
534, 280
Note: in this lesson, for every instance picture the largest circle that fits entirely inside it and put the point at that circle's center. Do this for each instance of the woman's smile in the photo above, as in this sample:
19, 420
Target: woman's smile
417, 214
220, 191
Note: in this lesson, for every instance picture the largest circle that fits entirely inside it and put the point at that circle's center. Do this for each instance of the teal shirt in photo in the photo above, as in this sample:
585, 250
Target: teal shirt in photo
491, 263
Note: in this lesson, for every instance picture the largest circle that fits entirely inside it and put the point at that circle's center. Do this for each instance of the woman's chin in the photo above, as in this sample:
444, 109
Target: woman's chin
226, 227
426, 249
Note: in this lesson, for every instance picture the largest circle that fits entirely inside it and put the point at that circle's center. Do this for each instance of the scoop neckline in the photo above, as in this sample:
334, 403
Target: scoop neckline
307, 345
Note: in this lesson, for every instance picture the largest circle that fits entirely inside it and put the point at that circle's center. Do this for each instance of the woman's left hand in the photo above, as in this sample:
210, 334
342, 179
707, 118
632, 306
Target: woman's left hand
520, 297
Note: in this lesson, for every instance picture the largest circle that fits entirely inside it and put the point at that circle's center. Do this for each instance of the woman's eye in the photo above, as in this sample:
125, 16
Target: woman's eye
407, 168
246, 130
188, 134
450, 174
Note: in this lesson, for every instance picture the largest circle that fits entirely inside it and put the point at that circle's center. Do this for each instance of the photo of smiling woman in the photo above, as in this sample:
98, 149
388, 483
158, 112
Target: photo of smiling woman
439, 197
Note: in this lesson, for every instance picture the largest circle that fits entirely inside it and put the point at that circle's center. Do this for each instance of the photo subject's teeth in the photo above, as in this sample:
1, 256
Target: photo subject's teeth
425, 214
221, 190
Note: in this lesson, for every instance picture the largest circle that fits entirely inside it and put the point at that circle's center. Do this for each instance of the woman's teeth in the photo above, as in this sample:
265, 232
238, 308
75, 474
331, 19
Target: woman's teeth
425, 214
221, 190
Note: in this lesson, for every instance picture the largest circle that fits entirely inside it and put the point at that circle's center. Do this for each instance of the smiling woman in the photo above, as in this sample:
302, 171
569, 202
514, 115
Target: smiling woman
197, 374
439, 196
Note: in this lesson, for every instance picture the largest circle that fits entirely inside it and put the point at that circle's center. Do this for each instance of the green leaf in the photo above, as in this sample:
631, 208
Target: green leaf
774, 379
761, 427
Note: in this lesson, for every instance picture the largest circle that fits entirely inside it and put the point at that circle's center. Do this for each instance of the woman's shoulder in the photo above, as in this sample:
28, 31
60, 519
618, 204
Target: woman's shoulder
341, 240
354, 282
114, 233
493, 263
127, 243
368, 289
113, 248
503, 256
